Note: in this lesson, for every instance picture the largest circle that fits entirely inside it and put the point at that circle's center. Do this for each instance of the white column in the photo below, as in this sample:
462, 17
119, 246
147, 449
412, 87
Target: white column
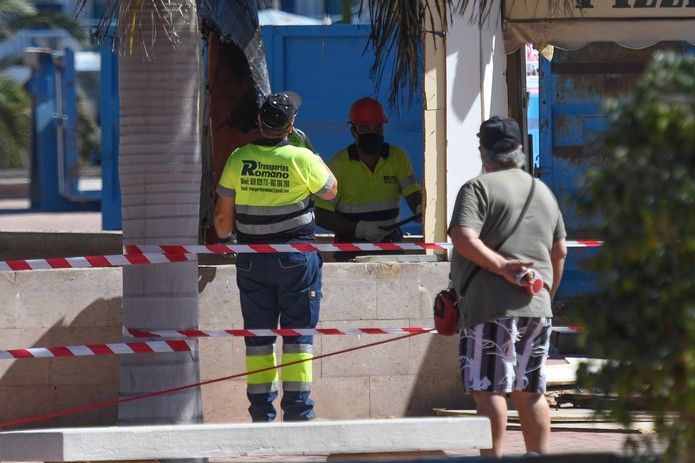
476, 90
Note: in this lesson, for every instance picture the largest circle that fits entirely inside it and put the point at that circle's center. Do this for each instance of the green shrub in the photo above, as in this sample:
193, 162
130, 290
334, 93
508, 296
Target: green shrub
15, 107
642, 317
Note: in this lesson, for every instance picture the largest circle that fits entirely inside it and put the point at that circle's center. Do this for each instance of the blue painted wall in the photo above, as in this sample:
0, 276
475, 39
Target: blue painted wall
329, 68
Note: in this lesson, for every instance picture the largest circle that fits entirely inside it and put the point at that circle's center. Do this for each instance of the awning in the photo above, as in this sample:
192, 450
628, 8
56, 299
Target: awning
630, 23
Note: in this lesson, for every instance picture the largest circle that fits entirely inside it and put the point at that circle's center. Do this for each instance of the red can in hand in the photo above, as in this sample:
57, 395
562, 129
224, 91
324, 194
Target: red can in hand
530, 280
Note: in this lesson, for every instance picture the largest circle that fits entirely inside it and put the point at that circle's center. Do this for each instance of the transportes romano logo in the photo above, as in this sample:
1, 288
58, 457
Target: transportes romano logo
252, 168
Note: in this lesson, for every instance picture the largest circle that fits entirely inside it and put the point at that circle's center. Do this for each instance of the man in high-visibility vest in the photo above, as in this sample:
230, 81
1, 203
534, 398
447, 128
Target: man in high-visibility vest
265, 196
372, 176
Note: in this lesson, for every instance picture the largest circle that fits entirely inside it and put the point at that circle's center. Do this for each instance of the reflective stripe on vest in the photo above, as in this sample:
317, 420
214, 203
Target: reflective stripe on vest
374, 206
406, 182
273, 210
277, 226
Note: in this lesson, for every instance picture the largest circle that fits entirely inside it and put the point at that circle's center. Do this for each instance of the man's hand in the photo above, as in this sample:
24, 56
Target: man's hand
371, 231
511, 268
418, 210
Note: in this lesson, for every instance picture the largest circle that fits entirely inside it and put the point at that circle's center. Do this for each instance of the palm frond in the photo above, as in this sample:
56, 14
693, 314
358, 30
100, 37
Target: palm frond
131, 27
401, 27
88, 135
15, 106
16, 7
48, 20
9, 9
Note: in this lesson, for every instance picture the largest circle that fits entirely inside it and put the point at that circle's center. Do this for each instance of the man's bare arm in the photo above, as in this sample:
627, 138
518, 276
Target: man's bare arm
558, 253
414, 201
225, 216
334, 222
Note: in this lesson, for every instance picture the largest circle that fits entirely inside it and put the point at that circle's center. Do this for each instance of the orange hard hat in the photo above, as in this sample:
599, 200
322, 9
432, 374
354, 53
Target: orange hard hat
367, 111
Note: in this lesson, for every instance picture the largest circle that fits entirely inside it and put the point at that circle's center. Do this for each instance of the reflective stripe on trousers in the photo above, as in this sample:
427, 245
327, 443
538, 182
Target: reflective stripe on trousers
297, 377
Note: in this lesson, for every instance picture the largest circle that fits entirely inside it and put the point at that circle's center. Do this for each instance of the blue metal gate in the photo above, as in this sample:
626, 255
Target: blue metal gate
572, 89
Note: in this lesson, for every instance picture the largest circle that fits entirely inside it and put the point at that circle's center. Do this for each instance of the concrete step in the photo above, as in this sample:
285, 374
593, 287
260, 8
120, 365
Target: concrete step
246, 439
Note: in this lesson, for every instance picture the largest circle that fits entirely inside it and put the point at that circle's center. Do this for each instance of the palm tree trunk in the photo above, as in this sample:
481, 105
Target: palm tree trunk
160, 184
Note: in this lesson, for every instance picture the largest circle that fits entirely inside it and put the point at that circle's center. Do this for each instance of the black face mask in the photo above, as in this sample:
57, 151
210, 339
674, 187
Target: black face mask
370, 143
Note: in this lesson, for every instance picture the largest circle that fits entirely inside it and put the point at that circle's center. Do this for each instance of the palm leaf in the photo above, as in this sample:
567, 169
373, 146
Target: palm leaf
48, 20
15, 106
400, 27
10, 9
127, 18
16, 7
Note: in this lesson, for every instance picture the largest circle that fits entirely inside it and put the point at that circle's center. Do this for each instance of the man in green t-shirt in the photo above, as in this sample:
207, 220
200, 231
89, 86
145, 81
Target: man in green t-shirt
266, 195
505, 330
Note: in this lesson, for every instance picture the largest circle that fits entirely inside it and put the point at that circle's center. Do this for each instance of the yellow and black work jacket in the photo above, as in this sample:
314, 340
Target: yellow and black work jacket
369, 195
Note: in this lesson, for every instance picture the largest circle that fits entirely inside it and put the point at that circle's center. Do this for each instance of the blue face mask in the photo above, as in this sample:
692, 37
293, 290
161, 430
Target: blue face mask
370, 143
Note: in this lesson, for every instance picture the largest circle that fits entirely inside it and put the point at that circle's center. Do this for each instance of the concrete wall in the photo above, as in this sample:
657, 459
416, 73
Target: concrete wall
403, 378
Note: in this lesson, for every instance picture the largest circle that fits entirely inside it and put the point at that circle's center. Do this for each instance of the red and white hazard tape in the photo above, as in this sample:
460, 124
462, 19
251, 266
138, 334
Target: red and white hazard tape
159, 254
287, 247
584, 243
308, 247
99, 349
271, 332
567, 329
178, 340
95, 261
192, 334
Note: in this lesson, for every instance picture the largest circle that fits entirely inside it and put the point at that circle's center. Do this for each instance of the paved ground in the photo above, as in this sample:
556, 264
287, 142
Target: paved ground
562, 442
16, 216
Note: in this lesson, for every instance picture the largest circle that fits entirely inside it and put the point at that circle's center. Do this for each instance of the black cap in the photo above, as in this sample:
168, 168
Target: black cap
500, 134
278, 109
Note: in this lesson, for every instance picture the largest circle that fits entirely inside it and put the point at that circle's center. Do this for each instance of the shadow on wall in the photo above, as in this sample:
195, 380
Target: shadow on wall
438, 383
32, 387
466, 86
471, 65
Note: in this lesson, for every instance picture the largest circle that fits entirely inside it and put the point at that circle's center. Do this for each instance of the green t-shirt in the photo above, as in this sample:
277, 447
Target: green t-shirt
491, 204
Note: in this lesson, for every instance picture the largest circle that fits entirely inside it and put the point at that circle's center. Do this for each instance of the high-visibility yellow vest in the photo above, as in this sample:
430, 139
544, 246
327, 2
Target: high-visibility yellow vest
271, 184
367, 195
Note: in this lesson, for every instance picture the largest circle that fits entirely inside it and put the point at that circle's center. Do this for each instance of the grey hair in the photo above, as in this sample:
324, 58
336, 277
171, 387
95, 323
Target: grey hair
516, 157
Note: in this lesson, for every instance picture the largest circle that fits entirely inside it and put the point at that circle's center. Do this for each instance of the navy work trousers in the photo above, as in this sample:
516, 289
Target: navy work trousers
284, 288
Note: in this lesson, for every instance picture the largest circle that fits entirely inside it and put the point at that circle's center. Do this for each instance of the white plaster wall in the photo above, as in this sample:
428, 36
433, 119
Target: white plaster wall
476, 90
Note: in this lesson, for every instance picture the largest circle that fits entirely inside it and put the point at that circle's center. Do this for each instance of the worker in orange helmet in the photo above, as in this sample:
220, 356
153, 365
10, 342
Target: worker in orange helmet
372, 176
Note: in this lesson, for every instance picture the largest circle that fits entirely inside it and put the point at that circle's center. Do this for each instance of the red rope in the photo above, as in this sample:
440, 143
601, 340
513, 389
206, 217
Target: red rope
109, 403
